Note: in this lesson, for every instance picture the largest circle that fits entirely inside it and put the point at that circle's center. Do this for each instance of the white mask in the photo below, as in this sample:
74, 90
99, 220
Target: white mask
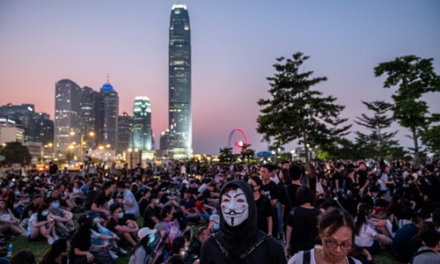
234, 206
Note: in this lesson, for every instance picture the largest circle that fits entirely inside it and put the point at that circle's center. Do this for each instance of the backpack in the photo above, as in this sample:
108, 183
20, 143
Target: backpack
306, 258
422, 252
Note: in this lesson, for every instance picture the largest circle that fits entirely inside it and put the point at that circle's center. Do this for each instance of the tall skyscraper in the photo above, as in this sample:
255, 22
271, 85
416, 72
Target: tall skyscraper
179, 105
88, 112
142, 132
125, 124
68, 120
107, 110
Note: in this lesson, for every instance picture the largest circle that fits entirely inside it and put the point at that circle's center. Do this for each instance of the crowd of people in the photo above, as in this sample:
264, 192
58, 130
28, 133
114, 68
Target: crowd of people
285, 212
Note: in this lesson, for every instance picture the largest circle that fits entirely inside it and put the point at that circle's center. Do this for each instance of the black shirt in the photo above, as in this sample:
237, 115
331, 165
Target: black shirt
82, 241
270, 190
100, 199
291, 192
148, 214
304, 222
264, 210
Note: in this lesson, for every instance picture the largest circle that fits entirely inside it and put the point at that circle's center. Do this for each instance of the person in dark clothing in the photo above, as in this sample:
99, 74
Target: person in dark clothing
302, 223
151, 213
82, 241
295, 174
239, 240
264, 209
403, 243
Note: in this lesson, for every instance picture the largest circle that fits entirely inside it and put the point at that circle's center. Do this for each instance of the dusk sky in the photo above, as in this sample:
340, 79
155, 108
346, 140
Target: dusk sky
234, 44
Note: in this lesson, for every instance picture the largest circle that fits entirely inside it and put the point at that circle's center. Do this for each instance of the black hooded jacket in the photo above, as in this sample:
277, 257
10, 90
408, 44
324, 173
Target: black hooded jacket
243, 244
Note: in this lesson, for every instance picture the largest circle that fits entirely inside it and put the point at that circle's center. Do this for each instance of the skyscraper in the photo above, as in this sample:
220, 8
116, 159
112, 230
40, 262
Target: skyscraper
88, 113
37, 126
179, 104
68, 120
107, 110
142, 132
125, 124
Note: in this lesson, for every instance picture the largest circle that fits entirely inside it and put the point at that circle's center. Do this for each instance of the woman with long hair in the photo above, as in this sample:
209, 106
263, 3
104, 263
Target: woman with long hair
57, 253
368, 237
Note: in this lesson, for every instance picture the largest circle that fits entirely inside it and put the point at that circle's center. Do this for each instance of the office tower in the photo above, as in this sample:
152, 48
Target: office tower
142, 132
38, 127
88, 110
107, 110
179, 105
124, 132
68, 120
44, 128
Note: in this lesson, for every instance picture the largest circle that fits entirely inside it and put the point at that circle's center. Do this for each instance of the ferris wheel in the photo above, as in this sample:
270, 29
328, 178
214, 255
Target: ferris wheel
238, 139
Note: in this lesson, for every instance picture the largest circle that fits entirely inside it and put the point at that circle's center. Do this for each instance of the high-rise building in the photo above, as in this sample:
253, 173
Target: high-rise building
124, 132
38, 127
88, 111
179, 105
107, 110
142, 132
44, 128
68, 120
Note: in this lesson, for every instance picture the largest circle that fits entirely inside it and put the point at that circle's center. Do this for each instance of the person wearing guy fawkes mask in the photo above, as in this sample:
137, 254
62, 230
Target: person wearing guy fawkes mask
239, 241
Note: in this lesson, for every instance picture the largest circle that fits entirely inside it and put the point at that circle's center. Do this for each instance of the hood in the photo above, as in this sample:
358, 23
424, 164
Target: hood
249, 227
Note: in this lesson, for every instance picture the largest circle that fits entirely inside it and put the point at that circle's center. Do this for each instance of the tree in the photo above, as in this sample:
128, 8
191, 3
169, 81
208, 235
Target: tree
378, 142
226, 155
414, 77
431, 138
297, 112
15, 152
246, 153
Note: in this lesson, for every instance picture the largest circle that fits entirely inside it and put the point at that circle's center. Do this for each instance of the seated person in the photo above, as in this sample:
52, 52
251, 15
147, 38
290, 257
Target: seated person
189, 209
8, 220
122, 226
63, 218
41, 224
151, 212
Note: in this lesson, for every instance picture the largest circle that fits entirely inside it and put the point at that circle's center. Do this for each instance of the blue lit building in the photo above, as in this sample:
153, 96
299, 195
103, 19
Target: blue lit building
107, 109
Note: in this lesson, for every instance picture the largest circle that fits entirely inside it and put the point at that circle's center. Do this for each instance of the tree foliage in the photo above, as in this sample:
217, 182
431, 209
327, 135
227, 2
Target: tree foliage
378, 142
15, 152
246, 153
226, 155
295, 111
414, 77
431, 138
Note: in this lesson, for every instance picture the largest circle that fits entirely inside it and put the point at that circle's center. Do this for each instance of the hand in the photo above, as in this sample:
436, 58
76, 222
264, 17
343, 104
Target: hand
90, 257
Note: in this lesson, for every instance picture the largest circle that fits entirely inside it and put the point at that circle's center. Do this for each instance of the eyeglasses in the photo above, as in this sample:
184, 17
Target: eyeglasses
333, 244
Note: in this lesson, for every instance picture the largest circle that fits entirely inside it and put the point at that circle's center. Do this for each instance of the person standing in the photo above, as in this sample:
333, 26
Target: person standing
264, 209
239, 240
302, 223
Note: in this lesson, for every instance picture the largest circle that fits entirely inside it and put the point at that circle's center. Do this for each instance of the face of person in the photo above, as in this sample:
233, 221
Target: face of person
253, 185
117, 212
264, 173
204, 235
2, 205
338, 245
234, 206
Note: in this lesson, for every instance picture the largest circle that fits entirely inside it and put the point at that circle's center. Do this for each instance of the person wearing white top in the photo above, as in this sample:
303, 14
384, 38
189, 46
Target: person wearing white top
367, 236
336, 231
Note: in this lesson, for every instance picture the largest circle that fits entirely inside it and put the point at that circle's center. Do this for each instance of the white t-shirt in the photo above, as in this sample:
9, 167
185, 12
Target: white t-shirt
129, 197
30, 229
365, 237
299, 257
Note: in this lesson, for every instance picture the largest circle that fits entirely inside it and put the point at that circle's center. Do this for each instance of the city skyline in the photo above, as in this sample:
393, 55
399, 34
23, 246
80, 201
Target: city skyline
42, 43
